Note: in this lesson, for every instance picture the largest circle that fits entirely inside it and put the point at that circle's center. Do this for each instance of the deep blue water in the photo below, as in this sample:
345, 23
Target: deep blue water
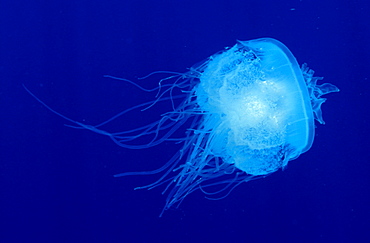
56, 182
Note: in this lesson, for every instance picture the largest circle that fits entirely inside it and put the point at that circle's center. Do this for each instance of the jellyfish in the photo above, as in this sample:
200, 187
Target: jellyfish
243, 113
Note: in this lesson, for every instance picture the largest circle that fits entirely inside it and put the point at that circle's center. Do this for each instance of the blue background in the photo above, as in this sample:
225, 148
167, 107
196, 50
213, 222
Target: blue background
56, 183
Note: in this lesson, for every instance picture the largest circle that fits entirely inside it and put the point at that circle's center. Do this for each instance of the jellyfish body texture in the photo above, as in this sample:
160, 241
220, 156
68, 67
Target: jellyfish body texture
258, 94
244, 113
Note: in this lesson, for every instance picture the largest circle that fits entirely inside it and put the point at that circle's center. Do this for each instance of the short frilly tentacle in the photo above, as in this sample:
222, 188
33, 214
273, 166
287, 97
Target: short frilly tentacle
316, 91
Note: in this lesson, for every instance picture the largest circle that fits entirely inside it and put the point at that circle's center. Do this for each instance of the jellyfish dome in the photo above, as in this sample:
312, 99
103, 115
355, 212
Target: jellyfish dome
245, 112
261, 99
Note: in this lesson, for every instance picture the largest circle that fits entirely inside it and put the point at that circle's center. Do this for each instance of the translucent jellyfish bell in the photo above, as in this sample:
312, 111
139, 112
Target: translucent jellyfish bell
267, 102
247, 111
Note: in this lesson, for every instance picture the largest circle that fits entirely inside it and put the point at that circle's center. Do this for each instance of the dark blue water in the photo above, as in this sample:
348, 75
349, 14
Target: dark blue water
56, 182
